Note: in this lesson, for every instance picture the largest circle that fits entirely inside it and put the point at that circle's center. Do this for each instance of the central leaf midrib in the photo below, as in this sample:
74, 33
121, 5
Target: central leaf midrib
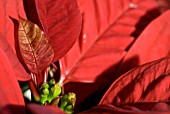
32, 49
98, 37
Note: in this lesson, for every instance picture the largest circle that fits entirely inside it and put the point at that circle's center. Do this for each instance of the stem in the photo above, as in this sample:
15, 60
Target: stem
40, 78
45, 75
34, 90
34, 79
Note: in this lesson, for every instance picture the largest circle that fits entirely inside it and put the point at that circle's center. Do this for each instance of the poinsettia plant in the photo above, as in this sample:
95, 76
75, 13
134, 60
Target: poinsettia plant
85, 56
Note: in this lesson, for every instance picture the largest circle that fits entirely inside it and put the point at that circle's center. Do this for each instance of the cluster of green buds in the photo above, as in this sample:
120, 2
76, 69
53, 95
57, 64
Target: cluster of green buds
49, 91
67, 103
50, 94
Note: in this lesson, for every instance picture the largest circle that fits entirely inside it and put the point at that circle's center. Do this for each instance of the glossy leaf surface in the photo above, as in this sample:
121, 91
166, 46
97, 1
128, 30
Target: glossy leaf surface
35, 48
146, 83
60, 20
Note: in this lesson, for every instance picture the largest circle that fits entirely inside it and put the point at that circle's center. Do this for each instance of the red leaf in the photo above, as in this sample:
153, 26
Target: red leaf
152, 44
109, 28
11, 95
19, 70
109, 35
10, 8
39, 109
35, 48
163, 4
61, 21
142, 108
146, 83
83, 4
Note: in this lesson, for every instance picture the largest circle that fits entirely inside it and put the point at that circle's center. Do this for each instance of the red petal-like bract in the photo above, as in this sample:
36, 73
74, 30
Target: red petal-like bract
61, 21
35, 48
10, 93
19, 70
11, 8
39, 109
140, 108
107, 32
152, 44
146, 83
109, 29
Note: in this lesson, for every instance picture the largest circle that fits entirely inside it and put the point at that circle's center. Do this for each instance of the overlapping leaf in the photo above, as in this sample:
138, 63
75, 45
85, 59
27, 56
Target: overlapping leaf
11, 96
39, 109
60, 19
152, 44
146, 83
109, 29
11, 9
19, 70
102, 46
140, 108
35, 48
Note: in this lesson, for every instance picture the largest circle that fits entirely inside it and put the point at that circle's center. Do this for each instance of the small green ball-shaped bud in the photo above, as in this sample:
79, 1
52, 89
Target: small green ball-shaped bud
69, 109
44, 85
63, 103
54, 92
43, 98
72, 98
52, 82
45, 91
67, 102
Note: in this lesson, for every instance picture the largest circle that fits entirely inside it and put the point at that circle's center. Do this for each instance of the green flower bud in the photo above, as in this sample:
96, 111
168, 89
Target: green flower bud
45, 91
43, 98
68, 102
44, 85
52, 82
54, 92
69, 109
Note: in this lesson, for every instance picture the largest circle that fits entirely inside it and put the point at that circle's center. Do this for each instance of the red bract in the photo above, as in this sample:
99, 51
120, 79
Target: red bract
60, 20
11, 96
152, 44
147, 83
109, 30
138, 108
116, 36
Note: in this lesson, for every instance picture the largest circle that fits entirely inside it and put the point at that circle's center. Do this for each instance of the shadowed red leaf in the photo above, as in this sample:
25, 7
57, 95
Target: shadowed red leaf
10, 8
146, 83
61, 21
152, 44
11, 95
111, 35
19, 70
140, 108
39, 109
163, 4
109, 29
35, 48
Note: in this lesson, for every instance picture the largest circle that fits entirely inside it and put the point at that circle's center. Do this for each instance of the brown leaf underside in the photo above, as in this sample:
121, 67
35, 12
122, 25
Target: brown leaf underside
35, 48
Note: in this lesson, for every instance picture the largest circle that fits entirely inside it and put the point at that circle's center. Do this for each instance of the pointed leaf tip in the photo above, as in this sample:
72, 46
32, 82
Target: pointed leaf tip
35, 48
